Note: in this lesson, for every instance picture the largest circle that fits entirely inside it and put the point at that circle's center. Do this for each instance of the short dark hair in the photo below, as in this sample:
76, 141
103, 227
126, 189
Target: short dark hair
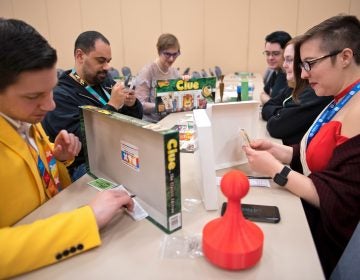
22, 49
280, 37
86, 41
336, 33
166, 41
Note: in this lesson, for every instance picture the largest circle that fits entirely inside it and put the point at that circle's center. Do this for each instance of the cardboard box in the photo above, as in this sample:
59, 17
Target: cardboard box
138, 155
177, 95
226, 121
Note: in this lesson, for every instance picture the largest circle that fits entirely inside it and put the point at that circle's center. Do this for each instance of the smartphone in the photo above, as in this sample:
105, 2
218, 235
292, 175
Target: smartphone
129, 82
258, 213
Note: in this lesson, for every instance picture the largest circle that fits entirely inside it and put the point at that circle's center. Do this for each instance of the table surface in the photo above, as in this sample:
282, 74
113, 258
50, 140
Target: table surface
133, 250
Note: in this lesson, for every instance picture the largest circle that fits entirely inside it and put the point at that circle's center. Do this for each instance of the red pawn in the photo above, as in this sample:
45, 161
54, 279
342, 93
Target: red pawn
231, 241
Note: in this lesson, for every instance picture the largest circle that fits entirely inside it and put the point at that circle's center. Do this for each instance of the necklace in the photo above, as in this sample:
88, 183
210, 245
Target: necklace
165, 73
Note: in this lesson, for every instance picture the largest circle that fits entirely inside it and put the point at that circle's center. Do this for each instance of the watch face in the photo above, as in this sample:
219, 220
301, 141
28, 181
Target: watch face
280, 180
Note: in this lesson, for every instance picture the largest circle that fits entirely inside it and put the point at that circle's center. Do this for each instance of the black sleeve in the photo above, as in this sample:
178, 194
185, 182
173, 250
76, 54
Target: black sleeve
65, 116
295, 119
280, 84
135, 111
274, 104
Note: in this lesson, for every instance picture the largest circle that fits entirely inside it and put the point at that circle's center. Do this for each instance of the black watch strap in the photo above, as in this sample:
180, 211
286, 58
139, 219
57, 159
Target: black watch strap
281, 178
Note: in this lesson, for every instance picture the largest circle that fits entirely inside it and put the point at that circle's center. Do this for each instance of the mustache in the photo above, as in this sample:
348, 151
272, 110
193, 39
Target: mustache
102, 72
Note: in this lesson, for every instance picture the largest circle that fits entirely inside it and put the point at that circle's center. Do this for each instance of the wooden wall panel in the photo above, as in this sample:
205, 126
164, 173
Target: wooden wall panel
105, 19
355, 8
65, 24
228, 33
267, 17
6, 9
38, 18
313, 12
185, 20
141, 25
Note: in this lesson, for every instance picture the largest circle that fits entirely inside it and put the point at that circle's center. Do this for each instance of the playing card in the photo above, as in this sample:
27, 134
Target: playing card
244, 137
102, 184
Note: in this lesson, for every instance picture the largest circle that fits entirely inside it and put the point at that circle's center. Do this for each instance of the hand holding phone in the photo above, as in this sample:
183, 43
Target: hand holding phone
129, 82
244, 137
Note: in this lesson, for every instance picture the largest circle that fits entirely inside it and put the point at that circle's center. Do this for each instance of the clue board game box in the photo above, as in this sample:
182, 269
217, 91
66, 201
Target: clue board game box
178, 95
139, 156
227, 119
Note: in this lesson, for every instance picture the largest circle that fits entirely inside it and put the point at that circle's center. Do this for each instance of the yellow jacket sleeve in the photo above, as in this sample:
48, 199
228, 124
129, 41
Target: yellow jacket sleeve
28, 247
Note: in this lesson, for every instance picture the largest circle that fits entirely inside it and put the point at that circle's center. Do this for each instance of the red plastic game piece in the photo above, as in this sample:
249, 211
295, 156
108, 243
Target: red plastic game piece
231, 241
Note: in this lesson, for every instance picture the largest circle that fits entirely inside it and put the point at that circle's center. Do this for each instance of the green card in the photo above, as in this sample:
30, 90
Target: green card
102, 184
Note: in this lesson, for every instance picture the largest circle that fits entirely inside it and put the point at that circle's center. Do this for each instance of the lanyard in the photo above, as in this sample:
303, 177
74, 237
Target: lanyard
330, 112
90, 89
50, 178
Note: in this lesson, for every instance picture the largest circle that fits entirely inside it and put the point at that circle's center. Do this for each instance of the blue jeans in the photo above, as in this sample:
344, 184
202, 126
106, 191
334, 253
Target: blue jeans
78, 172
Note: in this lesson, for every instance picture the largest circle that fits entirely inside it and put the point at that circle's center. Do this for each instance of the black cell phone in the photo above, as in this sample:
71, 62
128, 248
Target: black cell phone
129, 82
258, 213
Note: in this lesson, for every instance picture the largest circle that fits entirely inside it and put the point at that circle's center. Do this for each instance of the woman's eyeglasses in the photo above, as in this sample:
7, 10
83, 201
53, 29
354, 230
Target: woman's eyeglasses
288, 60
169, 54
306, 65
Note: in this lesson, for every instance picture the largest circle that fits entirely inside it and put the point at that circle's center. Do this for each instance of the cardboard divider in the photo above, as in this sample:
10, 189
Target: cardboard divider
138, 155
219, 142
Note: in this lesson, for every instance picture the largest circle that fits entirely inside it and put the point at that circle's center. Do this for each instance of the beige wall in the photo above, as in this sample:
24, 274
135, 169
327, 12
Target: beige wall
228, 33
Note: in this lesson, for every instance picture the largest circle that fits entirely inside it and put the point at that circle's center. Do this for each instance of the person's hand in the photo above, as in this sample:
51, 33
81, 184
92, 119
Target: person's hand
66, 146
118, 95
130, 98
107, 204
262, 161
262, 144
279, 151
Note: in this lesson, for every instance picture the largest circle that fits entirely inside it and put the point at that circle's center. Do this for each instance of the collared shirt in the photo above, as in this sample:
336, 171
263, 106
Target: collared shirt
23, 128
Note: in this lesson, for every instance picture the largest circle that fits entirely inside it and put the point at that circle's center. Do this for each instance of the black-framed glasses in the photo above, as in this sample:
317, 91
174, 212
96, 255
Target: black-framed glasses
306, 65
169, 54
273, 53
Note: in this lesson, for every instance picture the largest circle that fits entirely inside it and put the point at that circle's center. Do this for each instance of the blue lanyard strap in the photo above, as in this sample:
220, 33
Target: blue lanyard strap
90, 89
330, 112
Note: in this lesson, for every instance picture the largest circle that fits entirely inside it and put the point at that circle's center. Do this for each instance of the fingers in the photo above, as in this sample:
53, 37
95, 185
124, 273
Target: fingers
130, 98
63, 136
124, 199
107, 204
67, 143
248, 150
118, 86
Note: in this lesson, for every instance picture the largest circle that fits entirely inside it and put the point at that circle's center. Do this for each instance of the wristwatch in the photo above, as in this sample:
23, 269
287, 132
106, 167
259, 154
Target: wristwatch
281, 178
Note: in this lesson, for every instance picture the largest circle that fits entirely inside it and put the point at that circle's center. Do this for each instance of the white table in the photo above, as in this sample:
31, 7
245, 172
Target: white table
131, 250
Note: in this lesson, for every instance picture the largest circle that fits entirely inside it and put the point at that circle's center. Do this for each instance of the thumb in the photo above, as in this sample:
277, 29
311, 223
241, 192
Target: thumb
247, 149
58, 149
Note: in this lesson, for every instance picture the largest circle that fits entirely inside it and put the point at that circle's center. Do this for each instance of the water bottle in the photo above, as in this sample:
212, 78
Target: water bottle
244, 88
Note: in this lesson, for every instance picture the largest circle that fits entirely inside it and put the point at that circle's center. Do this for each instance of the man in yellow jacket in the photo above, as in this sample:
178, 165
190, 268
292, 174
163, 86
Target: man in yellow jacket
32, 170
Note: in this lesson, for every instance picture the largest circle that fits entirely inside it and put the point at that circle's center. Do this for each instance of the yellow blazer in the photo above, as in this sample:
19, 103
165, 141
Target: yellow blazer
27, 247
